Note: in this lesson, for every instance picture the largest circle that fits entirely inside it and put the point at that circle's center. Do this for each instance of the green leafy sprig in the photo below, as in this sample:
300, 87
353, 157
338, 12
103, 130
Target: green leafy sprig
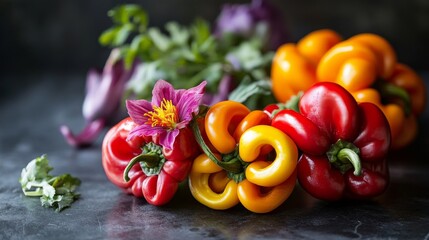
184, 55
57, 192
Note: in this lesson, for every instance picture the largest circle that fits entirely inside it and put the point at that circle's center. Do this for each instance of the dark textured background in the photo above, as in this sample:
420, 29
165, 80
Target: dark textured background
62, 36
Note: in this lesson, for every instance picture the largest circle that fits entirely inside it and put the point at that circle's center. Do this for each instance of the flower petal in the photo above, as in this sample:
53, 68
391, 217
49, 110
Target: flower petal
86, 137
137, 109
105, 89
162, 90
198, 89
167, 138
144, 131
189, 102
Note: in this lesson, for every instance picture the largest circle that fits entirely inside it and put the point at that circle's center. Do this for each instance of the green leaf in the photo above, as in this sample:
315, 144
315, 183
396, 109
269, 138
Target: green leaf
65, 183
250, 56
48, 190
129, 56
59, 202
66, 201
247, 89
178, 34
208, 45
128, 19
35, 172
186, 55
144, 78
107, 37
61, 193
122, 34
213, 73
160, 40
128, 13
54, 191
200, 31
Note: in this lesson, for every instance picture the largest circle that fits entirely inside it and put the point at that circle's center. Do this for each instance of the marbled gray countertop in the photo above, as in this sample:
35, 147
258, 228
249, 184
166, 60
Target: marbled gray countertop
33, 107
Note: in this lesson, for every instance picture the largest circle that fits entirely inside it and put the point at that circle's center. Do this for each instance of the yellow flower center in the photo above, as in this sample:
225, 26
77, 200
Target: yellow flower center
163, 116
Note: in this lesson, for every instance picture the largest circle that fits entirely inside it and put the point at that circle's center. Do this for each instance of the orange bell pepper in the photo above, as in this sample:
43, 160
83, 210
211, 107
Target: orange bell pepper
294, 65
366, 66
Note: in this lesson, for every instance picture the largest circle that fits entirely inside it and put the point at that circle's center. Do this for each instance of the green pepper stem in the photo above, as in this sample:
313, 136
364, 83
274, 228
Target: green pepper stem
347, 154
230, 166
149, 159
390, 90
293, 102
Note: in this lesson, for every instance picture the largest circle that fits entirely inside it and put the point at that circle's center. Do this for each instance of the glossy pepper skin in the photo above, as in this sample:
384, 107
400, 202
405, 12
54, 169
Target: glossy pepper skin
344, 144
366, 65
157, 180
243, 171
294, 65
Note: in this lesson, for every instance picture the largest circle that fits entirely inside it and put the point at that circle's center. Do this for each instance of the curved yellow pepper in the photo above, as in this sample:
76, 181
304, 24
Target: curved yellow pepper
268, 182
201, 186
259, 171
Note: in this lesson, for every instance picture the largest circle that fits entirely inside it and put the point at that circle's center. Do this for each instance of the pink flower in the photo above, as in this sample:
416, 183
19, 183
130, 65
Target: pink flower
169, 111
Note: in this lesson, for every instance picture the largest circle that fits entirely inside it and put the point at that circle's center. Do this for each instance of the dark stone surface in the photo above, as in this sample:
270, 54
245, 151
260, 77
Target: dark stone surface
31, 114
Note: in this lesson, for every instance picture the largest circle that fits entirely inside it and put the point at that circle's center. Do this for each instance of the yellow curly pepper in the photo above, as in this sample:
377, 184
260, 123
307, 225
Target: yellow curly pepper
247, 174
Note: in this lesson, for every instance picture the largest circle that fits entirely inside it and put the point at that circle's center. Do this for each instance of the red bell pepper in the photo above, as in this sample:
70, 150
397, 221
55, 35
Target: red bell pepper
160, 171
344, 144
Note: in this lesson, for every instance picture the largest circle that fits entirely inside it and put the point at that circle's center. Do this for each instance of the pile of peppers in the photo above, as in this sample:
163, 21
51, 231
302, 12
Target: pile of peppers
365, 64
237, 165
344, 144
343, 105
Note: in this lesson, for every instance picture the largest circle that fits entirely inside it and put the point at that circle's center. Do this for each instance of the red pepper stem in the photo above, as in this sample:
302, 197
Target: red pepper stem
230, 166
151, 160
347, 154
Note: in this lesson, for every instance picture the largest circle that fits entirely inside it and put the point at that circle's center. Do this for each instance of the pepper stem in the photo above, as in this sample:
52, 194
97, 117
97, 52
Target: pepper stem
389, 90
233, 166
150, 162
345, 155
292, 104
